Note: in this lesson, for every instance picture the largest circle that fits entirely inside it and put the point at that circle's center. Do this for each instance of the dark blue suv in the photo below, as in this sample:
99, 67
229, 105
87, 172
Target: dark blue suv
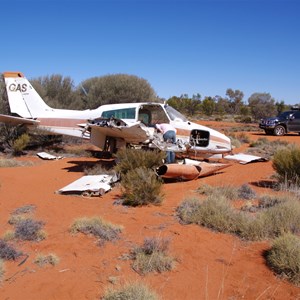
288, 121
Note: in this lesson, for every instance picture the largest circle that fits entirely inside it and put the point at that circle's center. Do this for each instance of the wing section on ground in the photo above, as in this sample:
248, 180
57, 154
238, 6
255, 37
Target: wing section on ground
17, 120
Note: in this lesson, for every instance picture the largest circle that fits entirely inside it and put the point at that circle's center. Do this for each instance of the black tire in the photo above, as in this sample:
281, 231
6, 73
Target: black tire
279, 130
268, 131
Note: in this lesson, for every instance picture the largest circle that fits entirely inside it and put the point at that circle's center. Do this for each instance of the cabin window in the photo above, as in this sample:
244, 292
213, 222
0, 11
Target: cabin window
153, 114
123, 113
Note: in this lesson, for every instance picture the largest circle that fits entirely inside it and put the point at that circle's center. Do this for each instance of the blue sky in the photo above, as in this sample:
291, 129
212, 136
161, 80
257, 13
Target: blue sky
178, 46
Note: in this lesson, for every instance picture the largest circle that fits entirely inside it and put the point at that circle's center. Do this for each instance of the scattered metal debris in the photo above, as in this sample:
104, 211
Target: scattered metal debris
245, 158
45, 155
91, 185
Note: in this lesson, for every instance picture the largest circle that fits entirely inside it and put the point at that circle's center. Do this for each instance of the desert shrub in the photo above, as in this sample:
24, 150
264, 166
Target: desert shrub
130, 291
141, 186
29, 230
251, 228
284, 257
267, 201
229, 192
8, 252
50, 259
20, 143
235, 142
282, 218
286, 162
21, 213
246, 119
189, 210
10, 163
216, 213
24, 209
246, 192
97, 227
130, 159
99, 169
2, 271
153, 256
8, 235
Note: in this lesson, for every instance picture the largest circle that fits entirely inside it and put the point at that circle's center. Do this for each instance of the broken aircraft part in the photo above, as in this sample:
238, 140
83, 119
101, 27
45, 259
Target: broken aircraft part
91, 185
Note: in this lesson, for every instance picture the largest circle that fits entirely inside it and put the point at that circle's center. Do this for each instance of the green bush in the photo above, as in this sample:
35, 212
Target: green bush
284, 257
20, 143
130, 291
141, 186
130, 159
286, 162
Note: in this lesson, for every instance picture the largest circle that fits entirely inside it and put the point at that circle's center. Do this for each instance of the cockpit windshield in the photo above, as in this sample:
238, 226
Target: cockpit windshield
175, 115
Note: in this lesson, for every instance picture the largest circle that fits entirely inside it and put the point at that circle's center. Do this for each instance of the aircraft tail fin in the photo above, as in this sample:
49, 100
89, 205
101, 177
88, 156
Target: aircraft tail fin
22, 97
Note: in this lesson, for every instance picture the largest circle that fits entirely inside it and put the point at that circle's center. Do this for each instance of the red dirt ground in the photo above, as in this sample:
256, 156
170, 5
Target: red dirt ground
210, 265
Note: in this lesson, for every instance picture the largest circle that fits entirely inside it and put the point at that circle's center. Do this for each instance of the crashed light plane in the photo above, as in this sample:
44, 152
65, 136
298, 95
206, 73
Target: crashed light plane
112, 126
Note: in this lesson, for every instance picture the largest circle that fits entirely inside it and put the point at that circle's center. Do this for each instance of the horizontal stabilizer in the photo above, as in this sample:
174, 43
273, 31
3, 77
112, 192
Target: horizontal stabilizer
17, 120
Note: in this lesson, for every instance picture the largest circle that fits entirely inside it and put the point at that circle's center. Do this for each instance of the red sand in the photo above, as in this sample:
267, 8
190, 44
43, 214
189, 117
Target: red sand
210, 265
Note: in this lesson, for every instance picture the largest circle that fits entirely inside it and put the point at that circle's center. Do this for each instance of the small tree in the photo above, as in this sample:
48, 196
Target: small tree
262, 105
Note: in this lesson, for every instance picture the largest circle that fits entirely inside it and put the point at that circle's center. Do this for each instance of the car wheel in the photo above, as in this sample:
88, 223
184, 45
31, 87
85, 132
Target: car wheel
279, 130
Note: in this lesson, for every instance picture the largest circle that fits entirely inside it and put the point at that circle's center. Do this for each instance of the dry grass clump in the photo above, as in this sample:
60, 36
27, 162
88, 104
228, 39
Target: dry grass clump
2, 270
229, 192
266, 148
97, 227
237, 139
153, 256
217, 213
29, 230
130, 159
286, 163
282, 218
284, 257
141, 187
246, 192
21, 213
8, 252
130, 291
267, 201
50, 259
11, 162
20, 143
26, 228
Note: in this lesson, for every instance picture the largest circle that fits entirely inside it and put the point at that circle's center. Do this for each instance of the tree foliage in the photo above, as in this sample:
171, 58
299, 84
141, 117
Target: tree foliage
118, 88
58, 91
262, 105
208, 106
235, 98
184, 104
